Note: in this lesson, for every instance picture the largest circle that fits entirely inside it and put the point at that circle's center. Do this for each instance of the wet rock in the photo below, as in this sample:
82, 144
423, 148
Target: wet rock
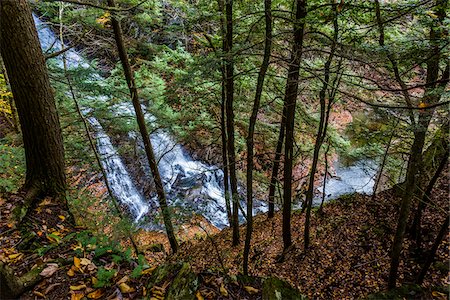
183, 284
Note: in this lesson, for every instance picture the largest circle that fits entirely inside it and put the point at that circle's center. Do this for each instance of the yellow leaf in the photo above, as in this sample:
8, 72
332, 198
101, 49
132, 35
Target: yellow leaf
78, 246
223, 290
62, 218
251, 290
439, 294
199, 296
76, 296
431, 14
125, 288
148, 271
422, 105
95, 294
94, 280
76, 262
77, 287
13, 256
123, 280
71, 271
39, 294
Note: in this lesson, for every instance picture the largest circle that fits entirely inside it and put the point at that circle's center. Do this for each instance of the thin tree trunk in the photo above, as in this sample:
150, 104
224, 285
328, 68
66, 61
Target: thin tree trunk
276, 164
143, 129
442, 232
320, 131
420, 130
33, 95
383, 162
289, 102
415, 230
88, 134
223, 129
324, 178
229, 85
251, 129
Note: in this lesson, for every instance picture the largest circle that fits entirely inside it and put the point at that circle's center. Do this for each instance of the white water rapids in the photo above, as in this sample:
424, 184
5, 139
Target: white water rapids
191, 185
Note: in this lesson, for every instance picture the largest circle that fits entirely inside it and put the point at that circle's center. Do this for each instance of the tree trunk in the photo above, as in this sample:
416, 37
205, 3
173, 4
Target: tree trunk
383, 162
33, 95
223, 128
321, 132
251, 129
415, 230
324, 178
143, 130
276, 164
442, 232
290, 99
229, 86
431, 96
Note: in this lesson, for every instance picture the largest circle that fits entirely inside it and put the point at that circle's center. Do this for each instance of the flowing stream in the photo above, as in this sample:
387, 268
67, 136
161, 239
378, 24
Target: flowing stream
191, 186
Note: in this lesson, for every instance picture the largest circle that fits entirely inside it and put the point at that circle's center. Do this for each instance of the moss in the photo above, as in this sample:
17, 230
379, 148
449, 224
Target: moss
276, 289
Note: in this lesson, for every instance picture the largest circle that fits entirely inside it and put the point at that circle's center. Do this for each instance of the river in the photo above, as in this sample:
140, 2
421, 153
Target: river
191, 185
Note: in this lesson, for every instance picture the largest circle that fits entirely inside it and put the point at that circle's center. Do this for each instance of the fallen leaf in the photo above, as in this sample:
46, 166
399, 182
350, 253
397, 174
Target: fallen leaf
76, 296
223, 290
77, 287
199, 296
71, 271
76, 262
85, 261
13, 256
251, 290
49, 270
123, 280
148, 271
95, 294
39, 294
94, 280
125, 288
62, 218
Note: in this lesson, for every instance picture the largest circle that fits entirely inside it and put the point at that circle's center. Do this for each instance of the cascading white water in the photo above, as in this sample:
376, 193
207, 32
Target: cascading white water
189, 184
117, 176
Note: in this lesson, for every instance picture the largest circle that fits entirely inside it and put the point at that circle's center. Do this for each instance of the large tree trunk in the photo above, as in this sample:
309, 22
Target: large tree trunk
30, 85
251, 128
143, 130
229, 86
290, 99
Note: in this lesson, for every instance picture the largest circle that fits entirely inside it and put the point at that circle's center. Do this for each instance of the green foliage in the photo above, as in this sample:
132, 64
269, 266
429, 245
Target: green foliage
12, 166
104, 277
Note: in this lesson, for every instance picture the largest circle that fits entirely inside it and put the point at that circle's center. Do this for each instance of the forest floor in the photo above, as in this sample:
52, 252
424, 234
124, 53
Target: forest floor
348, 257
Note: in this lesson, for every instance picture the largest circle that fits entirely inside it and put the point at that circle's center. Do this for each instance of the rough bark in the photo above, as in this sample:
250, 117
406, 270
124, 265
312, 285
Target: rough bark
251, 128
290, 99
143, 130
33, 95
229, 86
